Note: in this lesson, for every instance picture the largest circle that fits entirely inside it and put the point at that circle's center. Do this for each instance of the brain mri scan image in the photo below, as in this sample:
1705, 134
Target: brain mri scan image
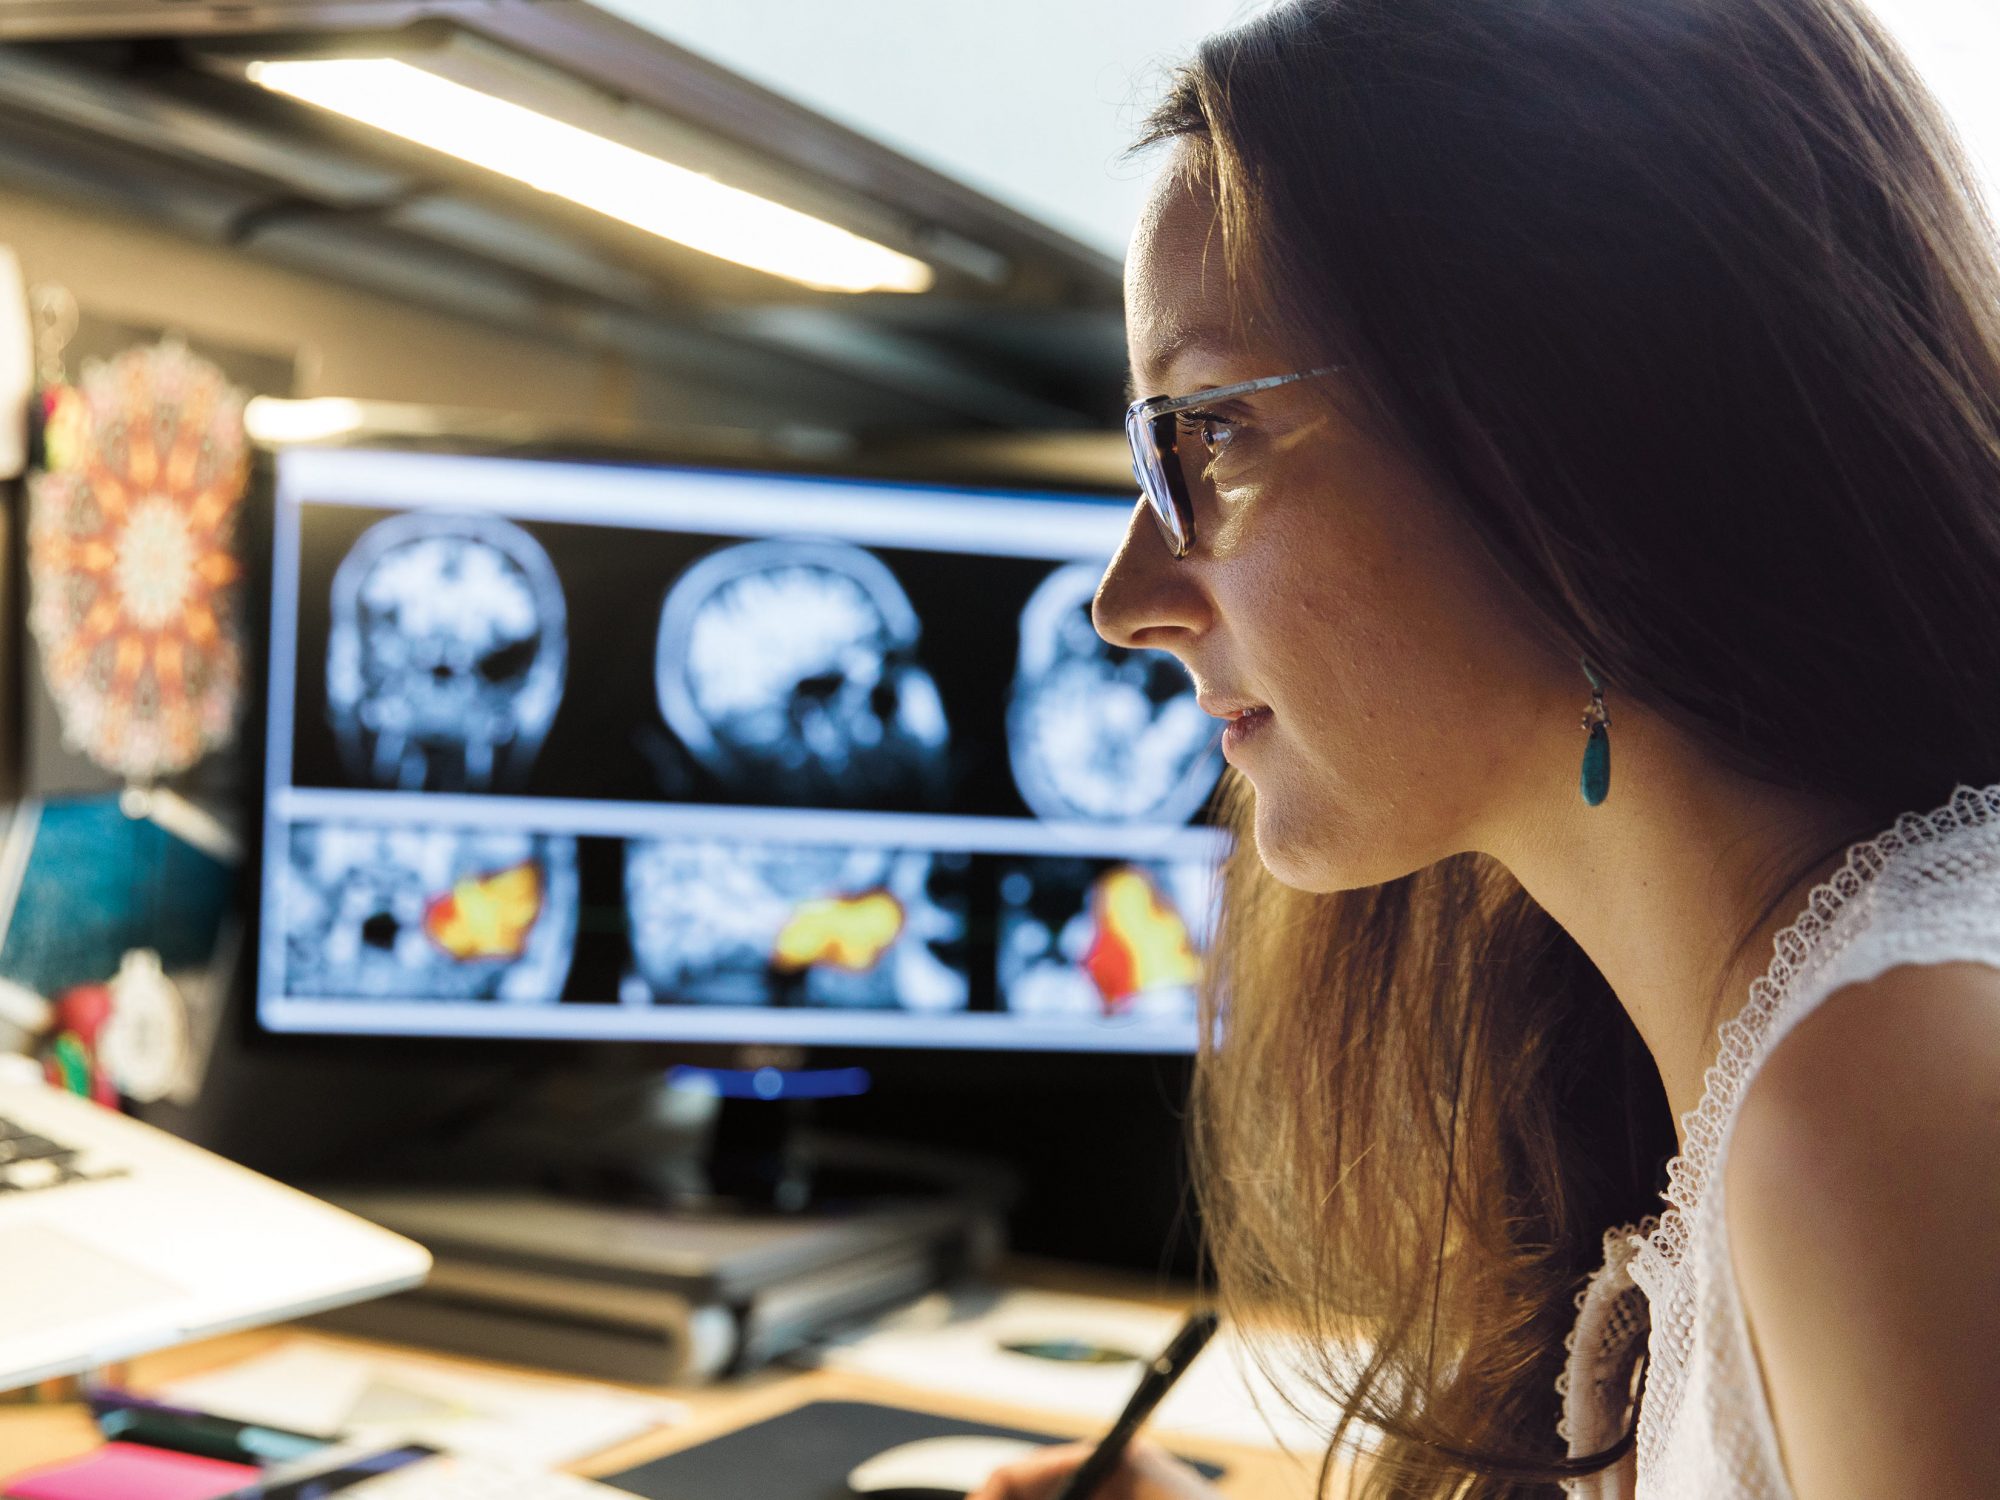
1095, 731
424, 913
1095, 940
446, 653
788, 669
730, 923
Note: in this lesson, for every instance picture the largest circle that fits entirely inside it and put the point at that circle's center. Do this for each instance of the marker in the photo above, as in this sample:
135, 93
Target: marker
134, 1419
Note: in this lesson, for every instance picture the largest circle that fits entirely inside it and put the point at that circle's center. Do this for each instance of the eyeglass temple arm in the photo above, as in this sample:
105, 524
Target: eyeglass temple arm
1160, 406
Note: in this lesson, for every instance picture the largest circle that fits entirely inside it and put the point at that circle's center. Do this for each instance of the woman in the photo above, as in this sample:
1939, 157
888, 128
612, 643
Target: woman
1641, 363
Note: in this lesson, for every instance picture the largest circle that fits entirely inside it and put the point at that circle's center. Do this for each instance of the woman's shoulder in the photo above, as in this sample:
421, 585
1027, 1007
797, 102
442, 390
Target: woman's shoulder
1926, 890
1878, 1064
1863, 1223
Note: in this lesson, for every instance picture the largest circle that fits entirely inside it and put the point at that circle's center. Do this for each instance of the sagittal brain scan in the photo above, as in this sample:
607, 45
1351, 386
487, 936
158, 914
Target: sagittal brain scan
728, 923
429, 913
788, 669
446, 653
1095, 731
1096, 940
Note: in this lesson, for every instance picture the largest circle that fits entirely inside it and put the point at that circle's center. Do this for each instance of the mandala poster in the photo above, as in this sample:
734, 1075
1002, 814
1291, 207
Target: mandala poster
133, 576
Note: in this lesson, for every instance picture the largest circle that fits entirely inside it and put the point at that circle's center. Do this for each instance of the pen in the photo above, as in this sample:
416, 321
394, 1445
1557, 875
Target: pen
135, 1419
1159, 1379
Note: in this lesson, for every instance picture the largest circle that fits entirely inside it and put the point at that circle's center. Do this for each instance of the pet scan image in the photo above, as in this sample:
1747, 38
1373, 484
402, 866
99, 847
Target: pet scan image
1095, 940
788, 670
446, 653
398, 912
724, 922
1096, 731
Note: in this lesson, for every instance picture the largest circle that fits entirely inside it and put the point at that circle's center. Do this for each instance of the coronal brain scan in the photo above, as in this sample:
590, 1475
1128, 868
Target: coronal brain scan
446, 653
727, 923
1091, 940
1096, 731
788, 668
428, 913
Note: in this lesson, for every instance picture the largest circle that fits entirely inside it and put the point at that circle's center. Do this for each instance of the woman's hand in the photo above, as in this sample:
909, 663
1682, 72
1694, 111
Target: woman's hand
1145, 1473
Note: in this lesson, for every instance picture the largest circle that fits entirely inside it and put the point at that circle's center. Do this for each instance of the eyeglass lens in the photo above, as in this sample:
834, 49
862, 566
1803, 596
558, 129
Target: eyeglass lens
1156, 465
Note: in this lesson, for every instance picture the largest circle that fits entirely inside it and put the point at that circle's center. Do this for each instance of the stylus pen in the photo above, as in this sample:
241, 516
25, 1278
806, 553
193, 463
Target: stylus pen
1160, 1377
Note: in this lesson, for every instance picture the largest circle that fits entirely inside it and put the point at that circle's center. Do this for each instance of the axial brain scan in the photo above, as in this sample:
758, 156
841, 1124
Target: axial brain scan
788, 668
1091, 940
403, 912
727, 923
1097, 731
446, 653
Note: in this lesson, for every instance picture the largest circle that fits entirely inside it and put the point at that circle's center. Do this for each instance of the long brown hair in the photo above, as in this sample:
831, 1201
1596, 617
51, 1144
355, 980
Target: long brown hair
1690, 306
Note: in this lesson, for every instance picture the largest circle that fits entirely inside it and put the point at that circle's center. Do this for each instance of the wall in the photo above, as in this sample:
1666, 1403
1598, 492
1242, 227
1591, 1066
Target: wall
349, 342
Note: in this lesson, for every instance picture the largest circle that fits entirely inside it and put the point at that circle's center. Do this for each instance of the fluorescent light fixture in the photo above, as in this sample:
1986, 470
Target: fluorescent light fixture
272, 419
587, 169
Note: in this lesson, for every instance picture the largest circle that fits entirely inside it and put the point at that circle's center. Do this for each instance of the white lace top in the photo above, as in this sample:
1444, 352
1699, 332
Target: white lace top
1925, 891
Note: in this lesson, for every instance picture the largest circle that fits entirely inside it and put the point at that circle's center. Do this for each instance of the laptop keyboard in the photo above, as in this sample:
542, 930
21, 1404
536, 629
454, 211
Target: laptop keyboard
31, 1162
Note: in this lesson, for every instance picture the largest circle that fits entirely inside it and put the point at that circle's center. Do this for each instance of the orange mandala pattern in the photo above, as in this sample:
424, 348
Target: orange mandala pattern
131, 571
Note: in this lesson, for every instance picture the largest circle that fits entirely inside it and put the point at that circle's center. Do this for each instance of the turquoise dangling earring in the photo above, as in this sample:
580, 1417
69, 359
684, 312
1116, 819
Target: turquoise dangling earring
1596, 777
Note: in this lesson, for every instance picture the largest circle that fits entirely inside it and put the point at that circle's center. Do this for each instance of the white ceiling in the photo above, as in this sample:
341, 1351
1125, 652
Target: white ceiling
1031, 102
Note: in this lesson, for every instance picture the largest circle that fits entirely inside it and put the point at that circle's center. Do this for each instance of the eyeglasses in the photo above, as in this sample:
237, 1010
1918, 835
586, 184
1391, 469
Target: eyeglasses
1153, 432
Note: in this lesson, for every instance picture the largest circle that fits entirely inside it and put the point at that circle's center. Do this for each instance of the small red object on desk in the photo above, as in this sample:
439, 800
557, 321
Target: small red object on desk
127, 1471
81, 1014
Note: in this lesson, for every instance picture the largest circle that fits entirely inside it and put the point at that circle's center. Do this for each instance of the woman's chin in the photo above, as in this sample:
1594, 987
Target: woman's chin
1301, 857
1322, 852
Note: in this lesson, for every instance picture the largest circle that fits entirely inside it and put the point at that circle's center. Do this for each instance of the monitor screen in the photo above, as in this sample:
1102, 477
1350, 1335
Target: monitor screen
567, 750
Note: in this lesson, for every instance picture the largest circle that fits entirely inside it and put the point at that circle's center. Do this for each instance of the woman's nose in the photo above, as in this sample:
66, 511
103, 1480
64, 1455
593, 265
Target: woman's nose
1147, 597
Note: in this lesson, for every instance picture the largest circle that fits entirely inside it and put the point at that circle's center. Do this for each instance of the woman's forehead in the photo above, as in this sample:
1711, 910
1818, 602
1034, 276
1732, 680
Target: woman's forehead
1187, 323
1180, 308
1177, 248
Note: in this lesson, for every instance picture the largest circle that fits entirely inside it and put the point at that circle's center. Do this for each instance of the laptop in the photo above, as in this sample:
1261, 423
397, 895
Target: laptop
117, 1238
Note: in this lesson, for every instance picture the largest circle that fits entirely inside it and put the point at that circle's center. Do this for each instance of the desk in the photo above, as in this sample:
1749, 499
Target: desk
31, 1435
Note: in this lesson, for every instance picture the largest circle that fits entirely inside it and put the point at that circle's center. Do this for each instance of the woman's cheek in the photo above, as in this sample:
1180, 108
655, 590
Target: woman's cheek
1233, 528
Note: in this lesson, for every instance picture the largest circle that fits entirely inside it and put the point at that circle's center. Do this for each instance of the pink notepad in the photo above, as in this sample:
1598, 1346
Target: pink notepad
128, 1471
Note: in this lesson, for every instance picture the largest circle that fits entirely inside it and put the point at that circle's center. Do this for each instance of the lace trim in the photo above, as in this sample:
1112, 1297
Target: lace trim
1593, 1305
1659, 1257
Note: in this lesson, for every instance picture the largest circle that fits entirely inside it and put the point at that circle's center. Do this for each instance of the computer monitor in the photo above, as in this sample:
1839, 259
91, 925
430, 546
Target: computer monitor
596, 751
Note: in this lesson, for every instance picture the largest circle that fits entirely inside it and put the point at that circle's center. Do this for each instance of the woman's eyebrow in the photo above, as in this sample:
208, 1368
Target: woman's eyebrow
1197, 339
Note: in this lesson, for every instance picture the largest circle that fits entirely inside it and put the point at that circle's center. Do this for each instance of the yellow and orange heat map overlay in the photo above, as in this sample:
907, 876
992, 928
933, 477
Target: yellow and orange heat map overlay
844, 932
1141, 941
487, 916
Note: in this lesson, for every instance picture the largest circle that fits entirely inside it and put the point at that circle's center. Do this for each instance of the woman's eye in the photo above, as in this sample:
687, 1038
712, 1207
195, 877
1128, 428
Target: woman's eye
1218, 435
1214, 431
1211, 429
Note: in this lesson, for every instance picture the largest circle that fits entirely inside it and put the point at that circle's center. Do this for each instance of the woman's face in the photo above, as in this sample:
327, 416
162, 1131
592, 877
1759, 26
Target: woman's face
1410, 711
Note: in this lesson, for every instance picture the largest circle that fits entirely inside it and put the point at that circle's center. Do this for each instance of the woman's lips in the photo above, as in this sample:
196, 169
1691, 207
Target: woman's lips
1247, 720
1244, 726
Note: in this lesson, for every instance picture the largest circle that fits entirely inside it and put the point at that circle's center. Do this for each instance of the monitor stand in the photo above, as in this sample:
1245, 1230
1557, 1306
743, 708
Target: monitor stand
735, 1142
671, 1233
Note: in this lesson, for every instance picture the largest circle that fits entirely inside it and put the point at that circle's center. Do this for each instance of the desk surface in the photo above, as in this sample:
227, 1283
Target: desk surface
32, 1435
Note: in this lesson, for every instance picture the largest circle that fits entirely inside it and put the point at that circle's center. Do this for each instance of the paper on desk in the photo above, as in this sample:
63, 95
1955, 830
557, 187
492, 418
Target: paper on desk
318, 1389
935, 1346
